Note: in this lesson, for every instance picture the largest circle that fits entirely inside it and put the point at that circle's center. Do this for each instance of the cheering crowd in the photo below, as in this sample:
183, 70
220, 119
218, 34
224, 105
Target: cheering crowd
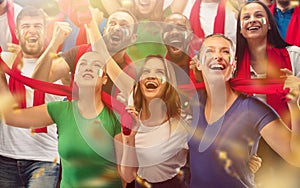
150, 93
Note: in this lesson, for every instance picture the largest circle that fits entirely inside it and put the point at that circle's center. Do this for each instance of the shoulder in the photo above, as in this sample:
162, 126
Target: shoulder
293, 49
58, 104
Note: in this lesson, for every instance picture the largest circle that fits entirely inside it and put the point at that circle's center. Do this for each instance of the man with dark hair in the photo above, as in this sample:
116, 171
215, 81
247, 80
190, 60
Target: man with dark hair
29, 158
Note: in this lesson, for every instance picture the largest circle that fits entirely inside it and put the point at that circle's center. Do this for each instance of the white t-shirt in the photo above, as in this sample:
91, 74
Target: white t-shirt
208, 12
5, 35
159, 153
18, 143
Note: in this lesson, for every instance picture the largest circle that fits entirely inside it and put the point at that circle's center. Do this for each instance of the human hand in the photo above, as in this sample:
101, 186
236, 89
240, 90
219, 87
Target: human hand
13, 48
61, 31
293, 83
134, 115
196, 71
254, 163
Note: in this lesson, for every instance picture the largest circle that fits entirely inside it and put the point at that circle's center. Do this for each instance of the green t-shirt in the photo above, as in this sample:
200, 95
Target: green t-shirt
86, 146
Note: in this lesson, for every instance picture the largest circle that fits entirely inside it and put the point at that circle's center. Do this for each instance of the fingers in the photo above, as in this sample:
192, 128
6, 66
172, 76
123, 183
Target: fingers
254, 163
61, 32
286, 71
132, 111
14, 48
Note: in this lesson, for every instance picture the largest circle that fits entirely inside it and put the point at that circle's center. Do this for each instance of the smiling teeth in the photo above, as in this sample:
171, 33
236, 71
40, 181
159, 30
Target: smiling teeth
253, 28
217, 67
151, 85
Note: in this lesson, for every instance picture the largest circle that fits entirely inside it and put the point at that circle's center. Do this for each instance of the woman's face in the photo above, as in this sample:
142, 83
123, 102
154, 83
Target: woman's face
90, 70
145, 6
153, 79
254, 21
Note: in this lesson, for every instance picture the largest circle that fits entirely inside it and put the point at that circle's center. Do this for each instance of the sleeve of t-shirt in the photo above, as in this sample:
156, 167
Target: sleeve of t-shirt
54, 110
294, 52
261, 113
70, 57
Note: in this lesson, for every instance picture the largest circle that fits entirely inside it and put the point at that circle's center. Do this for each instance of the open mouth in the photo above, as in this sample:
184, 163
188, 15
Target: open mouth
32, 39
151, 85
217, 67
88, 76
115, 38
253, 28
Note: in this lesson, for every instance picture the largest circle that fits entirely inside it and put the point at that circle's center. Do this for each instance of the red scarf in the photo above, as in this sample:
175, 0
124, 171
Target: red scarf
11, 21
56, 89
277, 58
293, 29
18, 88
219, 22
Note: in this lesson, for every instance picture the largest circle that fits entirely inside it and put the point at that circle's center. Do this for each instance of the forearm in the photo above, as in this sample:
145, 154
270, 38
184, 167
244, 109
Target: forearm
295, 135
129, 163
44, 64
123, 81
92, 30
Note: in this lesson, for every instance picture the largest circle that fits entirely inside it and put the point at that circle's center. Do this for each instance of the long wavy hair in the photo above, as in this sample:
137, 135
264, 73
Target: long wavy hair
170, 96
273, 36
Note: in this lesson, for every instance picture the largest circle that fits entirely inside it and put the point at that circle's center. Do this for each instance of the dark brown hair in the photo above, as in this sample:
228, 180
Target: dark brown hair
170, 97
31, 12
273, 36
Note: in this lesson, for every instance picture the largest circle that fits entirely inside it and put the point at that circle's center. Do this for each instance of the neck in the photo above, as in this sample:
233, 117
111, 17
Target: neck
181, 62
257, 50
220, 97
31, 56
119, 57
90, 103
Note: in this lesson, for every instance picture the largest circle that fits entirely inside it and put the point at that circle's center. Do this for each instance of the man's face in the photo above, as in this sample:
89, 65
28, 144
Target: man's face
284, 3
119, 31
31, 35
176, 35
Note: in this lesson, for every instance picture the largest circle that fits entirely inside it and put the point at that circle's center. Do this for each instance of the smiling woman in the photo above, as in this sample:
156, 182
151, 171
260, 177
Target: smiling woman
262, 53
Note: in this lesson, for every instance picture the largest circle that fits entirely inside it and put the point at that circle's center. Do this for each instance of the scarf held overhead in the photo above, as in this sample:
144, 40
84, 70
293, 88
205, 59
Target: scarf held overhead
56, 89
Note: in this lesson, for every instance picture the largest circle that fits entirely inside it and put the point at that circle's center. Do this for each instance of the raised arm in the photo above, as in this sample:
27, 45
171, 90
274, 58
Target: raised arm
284, 141
49, 67
35, 117
123, 81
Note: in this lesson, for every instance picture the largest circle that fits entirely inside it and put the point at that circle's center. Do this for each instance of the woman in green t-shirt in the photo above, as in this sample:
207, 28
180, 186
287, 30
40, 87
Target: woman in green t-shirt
86, 127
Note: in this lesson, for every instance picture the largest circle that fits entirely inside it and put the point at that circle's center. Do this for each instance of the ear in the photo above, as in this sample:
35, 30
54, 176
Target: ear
233, 67
104, 79
269, 27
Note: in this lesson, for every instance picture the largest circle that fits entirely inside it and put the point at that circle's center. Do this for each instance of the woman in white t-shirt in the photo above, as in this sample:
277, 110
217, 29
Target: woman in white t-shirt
157, 149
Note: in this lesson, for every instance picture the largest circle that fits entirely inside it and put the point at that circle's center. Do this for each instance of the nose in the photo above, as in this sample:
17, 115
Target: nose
217, 56
252, 19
